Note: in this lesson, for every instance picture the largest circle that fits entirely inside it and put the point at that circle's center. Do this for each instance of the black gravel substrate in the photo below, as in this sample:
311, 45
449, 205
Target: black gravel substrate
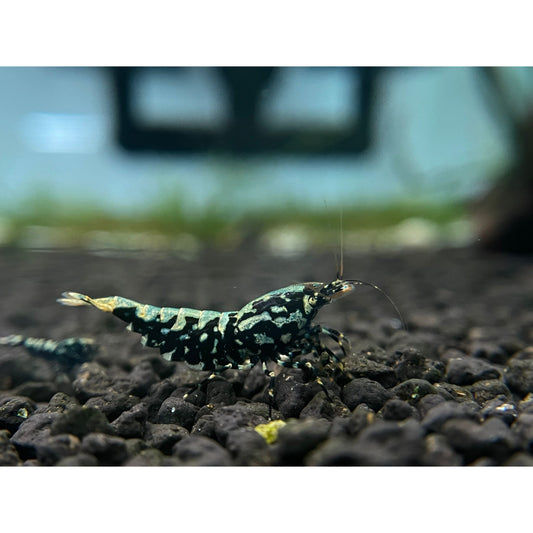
456, 388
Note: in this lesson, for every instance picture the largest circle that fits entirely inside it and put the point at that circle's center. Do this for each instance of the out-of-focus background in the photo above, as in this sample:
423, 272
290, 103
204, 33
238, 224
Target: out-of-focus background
179, 158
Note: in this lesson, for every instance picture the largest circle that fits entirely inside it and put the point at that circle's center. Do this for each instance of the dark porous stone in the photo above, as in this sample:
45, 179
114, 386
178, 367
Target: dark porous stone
500, 407
335, 451
176, 410
196, 397
426, 342
525, 354
360, 366
370, 350
254, 383
483, 391
157, 394
63, 383
232, 417
491, 439
197, 450
367, 391
171, 460
291, 395
451, 353
135, 446
184, 375
257, 408
203, 411
79, 459
512, 344
205, 426
526, 405
321, 407
130, 424
352, 425
434, 371
162, 367
412, 364
437, 416
519, 376
519, 459
112, 403
60, 402
484, 461
108, 449
490, 351
142, 377
468, 370
523, 429
236, 377
248, 448
297, 438
164, 436
56, 447
438, 452
395, 409
383, 443
17, 367
92, 380
146, 457
31, 432
80, 421
38, 391
390, 443
13, 411
220, 392
428, 402
412, 390
8, 452
457, 393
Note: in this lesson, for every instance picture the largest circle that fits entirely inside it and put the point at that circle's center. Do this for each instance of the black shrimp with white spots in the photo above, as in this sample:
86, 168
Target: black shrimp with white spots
274, 327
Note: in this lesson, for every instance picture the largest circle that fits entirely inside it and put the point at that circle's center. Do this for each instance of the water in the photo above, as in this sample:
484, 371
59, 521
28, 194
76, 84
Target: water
435, 139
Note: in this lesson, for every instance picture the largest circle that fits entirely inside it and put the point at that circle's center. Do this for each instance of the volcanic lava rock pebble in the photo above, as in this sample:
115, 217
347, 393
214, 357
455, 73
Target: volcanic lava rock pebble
411, 363
291, 393
131, 424
32, 432
364, 390
437, 416
362, 366
201, 451
468, 370
298, 438
248, 447
8, 452
176, 410
519, 372
80, 421
455, 388
109, 450
164, 436
396, 409
56, 447
492, 438
13, 411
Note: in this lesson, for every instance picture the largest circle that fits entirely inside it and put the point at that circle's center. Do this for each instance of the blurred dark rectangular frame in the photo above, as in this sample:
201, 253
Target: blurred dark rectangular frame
244, 136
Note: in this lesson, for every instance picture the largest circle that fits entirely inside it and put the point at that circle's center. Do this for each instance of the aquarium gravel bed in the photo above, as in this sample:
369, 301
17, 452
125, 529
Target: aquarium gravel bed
455, 388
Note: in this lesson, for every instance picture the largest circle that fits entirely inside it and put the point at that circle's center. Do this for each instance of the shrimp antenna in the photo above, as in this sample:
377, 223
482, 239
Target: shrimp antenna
361, 282
340, 265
